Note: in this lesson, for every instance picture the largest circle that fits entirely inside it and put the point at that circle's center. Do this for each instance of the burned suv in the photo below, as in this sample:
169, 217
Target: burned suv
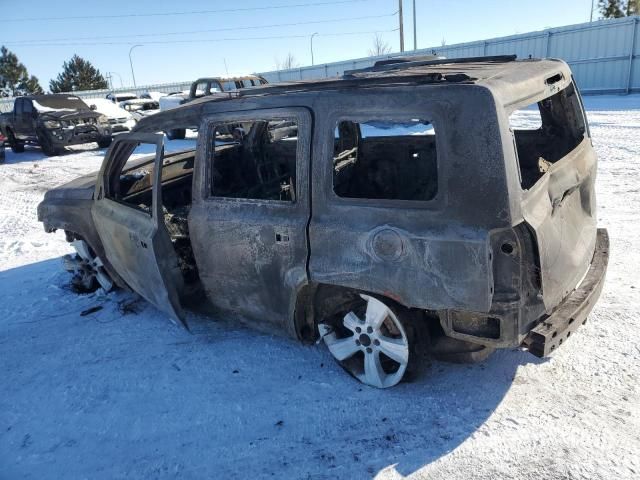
391, 213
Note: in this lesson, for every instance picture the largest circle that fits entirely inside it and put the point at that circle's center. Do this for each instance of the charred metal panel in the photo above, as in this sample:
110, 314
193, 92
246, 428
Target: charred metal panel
252, 254
142, 254
432, 254
135, 242
573, 311
560, 209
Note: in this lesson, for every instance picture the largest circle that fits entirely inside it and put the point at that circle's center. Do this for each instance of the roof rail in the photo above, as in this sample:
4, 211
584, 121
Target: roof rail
407, 62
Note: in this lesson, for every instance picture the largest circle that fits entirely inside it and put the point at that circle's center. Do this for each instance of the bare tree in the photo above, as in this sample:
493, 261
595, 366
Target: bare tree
443, 42
288, 63
380, 47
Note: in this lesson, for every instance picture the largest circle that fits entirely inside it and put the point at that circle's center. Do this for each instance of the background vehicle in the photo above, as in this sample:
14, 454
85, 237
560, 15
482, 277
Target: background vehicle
119, 119
140, 108
121, 97
2, 141
394, 211
204, 87
53, 121
153, 95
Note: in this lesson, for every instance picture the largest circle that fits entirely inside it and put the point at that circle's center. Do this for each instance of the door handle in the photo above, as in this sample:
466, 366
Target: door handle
282, 237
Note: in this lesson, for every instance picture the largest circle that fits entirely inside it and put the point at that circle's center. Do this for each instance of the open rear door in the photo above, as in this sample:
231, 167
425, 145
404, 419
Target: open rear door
135, 240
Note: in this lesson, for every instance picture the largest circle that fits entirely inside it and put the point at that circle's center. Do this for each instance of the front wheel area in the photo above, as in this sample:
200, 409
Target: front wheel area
87, 268
16, 146
47, 146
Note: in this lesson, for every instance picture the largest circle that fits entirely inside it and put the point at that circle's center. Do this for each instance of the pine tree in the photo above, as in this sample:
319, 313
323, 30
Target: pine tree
14, 77
78, 74
611, 8
633, 7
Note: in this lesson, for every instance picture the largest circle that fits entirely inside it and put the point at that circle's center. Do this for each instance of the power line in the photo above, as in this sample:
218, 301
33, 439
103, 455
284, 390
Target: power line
191, 12
140, 35
211, 40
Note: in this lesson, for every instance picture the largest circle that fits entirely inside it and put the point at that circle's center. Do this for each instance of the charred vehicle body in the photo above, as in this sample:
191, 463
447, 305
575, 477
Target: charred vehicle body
390, 212
53, 122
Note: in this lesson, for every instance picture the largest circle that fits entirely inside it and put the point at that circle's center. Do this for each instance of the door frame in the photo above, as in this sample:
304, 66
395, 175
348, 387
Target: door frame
150, 238
297, 275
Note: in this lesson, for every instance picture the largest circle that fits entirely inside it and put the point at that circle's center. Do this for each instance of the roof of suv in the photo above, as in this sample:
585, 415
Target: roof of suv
514, 77
513, 82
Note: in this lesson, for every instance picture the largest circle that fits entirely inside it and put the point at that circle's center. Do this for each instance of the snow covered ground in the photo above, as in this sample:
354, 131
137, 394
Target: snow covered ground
121, 393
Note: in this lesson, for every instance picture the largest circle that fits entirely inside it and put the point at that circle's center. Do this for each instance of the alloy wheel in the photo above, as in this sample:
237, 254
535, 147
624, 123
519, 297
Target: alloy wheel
371, 343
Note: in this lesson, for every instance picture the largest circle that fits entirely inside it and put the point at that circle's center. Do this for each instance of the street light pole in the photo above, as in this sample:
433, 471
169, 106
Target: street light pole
131, 63
312, 35
401, 21
415, 36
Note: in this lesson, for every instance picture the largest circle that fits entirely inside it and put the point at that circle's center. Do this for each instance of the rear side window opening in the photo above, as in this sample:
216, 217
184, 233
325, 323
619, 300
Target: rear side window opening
546, 132
385, 159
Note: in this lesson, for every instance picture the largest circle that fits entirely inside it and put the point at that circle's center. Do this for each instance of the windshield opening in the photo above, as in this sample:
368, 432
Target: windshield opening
68, 102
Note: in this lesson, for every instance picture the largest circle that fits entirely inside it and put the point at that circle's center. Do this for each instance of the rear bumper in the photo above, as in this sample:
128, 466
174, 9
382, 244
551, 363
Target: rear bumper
553, 330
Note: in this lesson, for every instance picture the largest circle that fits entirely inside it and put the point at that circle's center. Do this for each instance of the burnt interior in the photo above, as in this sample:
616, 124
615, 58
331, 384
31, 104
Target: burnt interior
385, 160
177, 173
562, 129
255, 160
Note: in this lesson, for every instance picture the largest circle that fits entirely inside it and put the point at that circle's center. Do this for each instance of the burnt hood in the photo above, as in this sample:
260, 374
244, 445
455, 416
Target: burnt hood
69, 114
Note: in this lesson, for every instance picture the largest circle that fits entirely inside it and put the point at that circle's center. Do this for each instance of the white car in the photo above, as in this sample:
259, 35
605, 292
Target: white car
119, 119
121, 97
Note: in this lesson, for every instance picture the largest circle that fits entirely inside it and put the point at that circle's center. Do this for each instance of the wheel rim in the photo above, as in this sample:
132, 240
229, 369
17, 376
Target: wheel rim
91, 266
372, 346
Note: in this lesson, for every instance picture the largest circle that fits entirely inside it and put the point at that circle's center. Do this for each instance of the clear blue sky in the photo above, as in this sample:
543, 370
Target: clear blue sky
453, 20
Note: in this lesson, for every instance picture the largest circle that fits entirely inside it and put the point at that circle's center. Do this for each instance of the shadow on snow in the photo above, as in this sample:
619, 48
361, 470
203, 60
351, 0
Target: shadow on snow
131, 395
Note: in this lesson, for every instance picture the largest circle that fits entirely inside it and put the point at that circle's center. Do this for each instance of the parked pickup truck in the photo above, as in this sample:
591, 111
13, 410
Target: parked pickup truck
53, 122
398, 210
204, 87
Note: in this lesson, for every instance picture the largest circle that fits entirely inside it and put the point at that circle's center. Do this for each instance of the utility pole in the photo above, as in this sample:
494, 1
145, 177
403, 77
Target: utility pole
312, 35
415, 36
119, 76
591, 13
131, 63
401, 25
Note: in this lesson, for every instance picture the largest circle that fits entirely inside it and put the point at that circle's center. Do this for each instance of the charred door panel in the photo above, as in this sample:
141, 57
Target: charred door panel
136, 242
251, 248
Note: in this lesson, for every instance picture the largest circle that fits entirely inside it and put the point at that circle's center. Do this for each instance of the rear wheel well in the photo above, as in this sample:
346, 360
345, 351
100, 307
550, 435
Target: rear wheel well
324, 303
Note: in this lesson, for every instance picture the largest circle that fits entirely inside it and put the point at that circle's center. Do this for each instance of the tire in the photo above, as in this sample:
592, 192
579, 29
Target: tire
105, 142
45, 144
16, 147
177, 134
373, 338
88, 269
